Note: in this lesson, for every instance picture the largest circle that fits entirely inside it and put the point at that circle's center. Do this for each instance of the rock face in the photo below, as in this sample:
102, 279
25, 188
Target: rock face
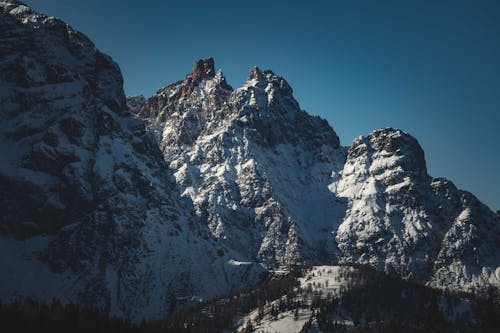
403, 221
142, 205
262, 172
237, 155
54, 84
85, 189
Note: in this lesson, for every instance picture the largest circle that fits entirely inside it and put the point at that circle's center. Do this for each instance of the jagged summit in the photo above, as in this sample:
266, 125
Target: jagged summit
267, 79
14, 2
203, 69
186, 94
17, 9
264, 107
399, 143
255, 75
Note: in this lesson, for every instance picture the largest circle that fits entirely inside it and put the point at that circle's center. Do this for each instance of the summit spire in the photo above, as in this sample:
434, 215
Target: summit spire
203, 69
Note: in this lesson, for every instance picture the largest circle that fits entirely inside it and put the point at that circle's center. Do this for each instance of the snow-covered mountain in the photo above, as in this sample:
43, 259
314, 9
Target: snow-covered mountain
403, 221
141, 205
90, 211
266, 175
256, 167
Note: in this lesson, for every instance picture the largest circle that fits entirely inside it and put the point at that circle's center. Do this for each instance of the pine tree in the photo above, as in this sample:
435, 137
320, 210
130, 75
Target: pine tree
488, 312
249, 326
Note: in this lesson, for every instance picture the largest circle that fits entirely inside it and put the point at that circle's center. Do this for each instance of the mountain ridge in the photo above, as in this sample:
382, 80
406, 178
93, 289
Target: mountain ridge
262, 93
195, 191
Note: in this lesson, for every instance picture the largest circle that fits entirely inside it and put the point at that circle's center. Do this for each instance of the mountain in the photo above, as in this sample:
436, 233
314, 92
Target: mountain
313, 299
90, 211
339, 299
238, 154
143, 206
403, 221
263, 172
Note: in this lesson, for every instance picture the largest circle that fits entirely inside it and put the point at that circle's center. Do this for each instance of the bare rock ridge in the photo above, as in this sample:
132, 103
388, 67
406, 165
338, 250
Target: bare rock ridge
203, 69
143, 205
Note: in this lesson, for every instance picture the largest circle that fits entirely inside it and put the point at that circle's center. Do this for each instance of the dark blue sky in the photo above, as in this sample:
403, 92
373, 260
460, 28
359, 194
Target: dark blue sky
431, 68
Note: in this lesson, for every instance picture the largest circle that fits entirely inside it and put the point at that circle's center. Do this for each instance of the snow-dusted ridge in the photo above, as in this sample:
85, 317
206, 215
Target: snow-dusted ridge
142, 205
75, 166
238, 153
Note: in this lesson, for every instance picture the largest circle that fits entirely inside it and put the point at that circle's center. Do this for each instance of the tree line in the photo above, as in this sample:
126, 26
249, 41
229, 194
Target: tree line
371, 301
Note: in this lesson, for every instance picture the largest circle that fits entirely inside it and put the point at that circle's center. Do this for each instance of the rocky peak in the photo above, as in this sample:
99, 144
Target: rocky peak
401, 143
394, 142
40, 49
10, 4
385, 157
221, 81
255, 76
268, 80
266, 105
203, 69
202, 86
14, 2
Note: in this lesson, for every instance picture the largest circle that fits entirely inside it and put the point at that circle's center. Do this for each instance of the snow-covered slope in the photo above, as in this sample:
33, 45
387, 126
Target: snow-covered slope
403, 221
319, 282
143, 205
273, 182
343, 298
74, 166
256, 167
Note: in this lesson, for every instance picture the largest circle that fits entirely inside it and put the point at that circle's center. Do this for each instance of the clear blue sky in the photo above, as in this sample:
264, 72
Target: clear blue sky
431, 68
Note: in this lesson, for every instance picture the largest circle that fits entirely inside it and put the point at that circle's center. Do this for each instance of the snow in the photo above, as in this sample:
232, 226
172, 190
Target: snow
324, 279
20, 10
24, 275
238, 263
285, 323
